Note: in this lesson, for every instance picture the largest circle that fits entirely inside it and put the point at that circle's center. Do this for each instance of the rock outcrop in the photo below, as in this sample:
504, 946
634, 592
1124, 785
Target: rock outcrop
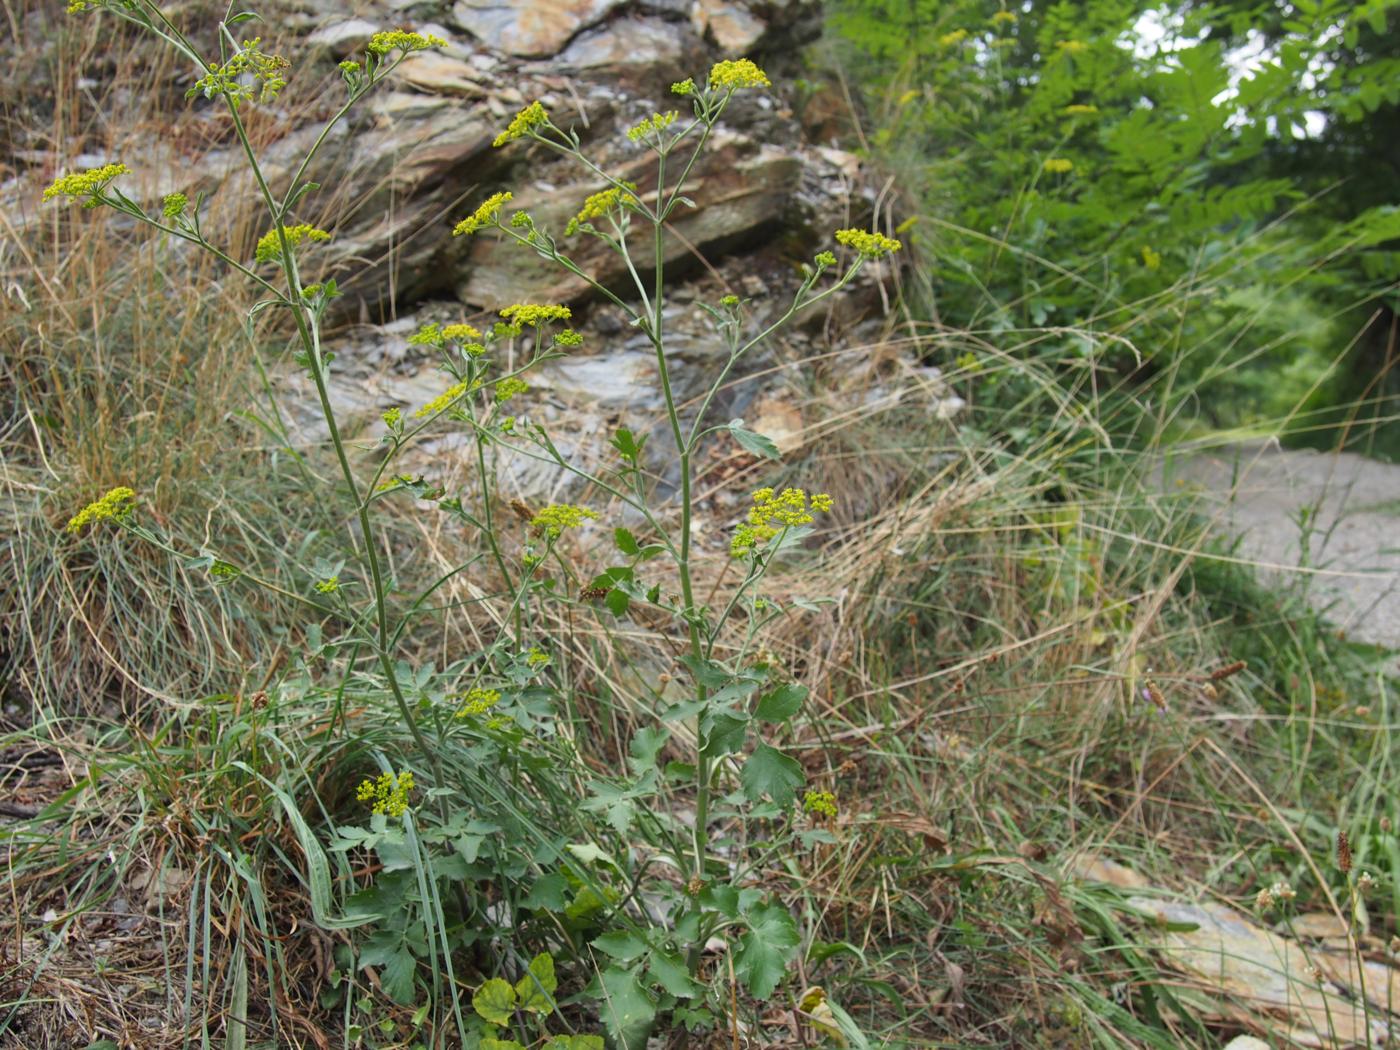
417, 155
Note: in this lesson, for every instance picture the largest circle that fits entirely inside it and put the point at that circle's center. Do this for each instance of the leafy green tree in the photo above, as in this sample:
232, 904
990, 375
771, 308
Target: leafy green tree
1068, 171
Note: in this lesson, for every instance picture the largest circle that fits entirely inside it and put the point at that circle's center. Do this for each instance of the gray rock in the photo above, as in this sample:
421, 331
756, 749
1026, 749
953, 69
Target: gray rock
740, 189
733, 28
528, 28
344, 37
629, 46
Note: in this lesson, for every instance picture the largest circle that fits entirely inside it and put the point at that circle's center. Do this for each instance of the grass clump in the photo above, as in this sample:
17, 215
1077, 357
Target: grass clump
318, 769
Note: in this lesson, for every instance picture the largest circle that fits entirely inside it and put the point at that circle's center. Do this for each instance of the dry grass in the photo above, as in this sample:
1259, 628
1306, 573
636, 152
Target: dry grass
977, 681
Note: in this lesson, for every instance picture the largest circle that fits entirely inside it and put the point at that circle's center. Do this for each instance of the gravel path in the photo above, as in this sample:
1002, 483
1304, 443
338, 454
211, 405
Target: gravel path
1352, 508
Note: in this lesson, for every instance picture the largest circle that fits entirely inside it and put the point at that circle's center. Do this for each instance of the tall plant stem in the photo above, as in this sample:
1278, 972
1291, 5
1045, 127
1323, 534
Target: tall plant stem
684, 447
309, 335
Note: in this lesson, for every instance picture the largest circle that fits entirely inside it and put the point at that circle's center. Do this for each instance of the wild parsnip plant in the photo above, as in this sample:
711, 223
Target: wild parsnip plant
642, 935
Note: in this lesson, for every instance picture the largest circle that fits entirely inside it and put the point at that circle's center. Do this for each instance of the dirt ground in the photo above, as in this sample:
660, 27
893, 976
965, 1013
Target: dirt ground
1329, 522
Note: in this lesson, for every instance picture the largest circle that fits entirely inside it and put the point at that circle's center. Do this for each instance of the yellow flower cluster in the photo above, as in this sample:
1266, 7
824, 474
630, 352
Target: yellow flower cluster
427, 335
537, 658
1072, 47
172, 205
1004, 18
329, 585
239, 76
84, 183
957, 36
383, 43
436, 335
599, 204
269, 249
557, 517
1080, 109
773, 513
507, 388
485, 215
114, 506
568, 337
442, 401
387, 793
821, 803
533, 315
1059, 165
740, 73
478, 702
657, 122
683, 87
1152, 260
526, 121
869, 244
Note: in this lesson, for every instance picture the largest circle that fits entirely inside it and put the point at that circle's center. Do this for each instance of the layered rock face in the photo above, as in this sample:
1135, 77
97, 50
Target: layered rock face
766, 197
420, 154
417, 156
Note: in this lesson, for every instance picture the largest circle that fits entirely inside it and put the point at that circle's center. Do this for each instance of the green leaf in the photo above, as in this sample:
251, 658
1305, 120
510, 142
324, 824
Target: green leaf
723, 899
628, 446
397, 977
588, 852
708, 673
617, 602
575, 1042
670, 972
766, 949
770, 772
487, 1043
782, 703
494, 1001
725, 733
626, 1009
626, 542
536, 989
547, 893
752, 442
621, 946
646, 746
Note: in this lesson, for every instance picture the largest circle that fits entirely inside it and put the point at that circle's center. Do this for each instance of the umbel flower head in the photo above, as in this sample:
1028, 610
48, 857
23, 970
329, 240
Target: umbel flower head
736, 74
1059, 165
485, 214
402, 40
869, 244
654, 124
115, 506
269, 248
387, 793
84, 184
526, 121
478, 702
533, 315
510, 386
442, 401
596, 205
557, 517
773, 513
239, 78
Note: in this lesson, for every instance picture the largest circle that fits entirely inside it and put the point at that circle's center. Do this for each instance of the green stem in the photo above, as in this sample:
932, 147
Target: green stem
702, 774
309, 334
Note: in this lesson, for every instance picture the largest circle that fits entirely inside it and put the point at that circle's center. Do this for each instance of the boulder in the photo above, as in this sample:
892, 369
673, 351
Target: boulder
529, 28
